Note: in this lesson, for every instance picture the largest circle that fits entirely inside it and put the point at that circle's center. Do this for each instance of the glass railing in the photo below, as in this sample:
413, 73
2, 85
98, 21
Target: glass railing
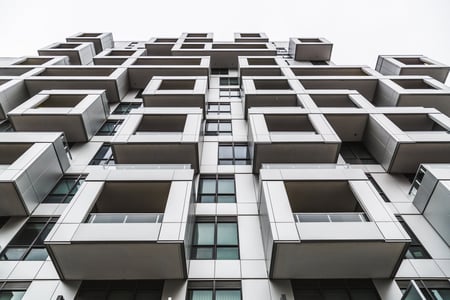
125, 218
331, 217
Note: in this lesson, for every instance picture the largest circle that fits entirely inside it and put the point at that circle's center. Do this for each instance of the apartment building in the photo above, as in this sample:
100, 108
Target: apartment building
184, 168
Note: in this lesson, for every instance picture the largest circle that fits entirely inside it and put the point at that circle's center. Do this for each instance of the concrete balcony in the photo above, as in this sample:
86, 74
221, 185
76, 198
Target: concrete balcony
30, 166
333, 100
102, 237
307, 49
100, 40
290, 135
78, 53
176, 91
197, 37
159, 136
79, 114
42, 61
412, 65
327, 223
413, 91
17, 72
13, 92
111, 79
142, 69
256, 37
261, 66
160, 46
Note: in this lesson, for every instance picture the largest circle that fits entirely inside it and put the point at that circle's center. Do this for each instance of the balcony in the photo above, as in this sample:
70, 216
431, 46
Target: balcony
245, 37
290, 135
327, 222
79, 114
412, 65
144, 68
111, 79
100, 41
102, 237
176, 91
159, 136
30, 165
160, 46
42, 61
78, 53
334, 101
13, 92
307, 49
261, 66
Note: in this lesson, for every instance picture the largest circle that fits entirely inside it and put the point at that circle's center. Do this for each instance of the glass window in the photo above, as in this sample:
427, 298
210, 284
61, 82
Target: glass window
28, 243
218, 189
124, 108
377, 187
229, 81
109, 128
218, 127
229, 92
65, 189
219, 107
234, 154
415, 250
425, 289
216, 239
214, 290
356, 153
6, 126
13, 290
342, 289
104, 156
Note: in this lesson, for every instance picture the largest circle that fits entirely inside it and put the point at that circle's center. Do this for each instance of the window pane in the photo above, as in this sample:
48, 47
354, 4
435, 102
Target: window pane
64, 186
11, 295
13, 254
212, 126
43, 235
225, 108
240, 152
202, 253
37, 254
28, 234
227, 253
204, 234
225, 151
226, 186
207, 199
213, 107
439, 294
225, 162
226, 199
228, 295
208, 186
201, 295
225, 127
227, 234
54, 199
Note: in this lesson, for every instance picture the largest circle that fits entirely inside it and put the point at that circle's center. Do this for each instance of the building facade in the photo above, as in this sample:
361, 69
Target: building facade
191, 169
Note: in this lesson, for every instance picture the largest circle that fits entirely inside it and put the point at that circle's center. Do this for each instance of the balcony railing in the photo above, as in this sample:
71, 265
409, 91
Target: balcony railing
330, 217
125, 218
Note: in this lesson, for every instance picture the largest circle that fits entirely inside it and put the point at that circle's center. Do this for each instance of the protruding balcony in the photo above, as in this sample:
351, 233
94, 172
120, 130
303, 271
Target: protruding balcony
125, 224
79, 114
30, 165
159, 136
78, 53
261, 66
307, 49
160, 46
100, 40
42, 61
13, 92
327, 223
255, 37
290, 135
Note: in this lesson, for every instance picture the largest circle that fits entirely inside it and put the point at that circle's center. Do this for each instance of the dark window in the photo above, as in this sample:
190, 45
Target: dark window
218, 127
430, 289
65, 189
6, 126
139, 94
110, 127
229, 81
120, 289
356, 153
234, 154
214, 290
319, 62
378, 188
229, 92
28, 244
215, 238
219, 71
104, 156
216, 189
343, 289
13, 290
415, 250
124, 108
219, 107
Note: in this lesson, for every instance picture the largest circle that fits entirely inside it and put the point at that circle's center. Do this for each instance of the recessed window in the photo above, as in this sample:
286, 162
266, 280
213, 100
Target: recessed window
229, 81
218, 127
13, 290
356, 153
104, 156
6, 126
217, 189
120, 289
109, 128
415, 249
219, 107
214, 290
234, 154
124, 108
229, 92
28, 244
215, 238
65, 189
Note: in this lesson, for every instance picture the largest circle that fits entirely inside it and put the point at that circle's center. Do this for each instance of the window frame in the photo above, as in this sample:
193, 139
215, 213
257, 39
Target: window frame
116, 124
79, 179
104, 160
415, 242
213, 286
14, 286
357, 159
218, 131
233, 159
219, 110
216, 194
127, 107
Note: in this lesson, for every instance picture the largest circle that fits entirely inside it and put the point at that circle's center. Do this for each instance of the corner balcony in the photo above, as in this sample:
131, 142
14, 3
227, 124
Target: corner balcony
79, 114
144, 68
102, 237
327, 223
111, 79
413, 91
290, 135
307, 49
30, 165
13, 92
42, 61
159, 136
176, 91
78, 53
100, 40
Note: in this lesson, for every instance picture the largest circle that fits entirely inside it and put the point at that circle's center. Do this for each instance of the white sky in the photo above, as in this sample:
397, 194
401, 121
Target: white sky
359, 29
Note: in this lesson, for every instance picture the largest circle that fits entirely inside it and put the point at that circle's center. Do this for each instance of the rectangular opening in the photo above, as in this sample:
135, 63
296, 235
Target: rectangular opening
121, 52
168, 61
162, 123
261, 61
413, 84
261, 71
289, 123
13, 71
196, 40
328, 100
349, 127
310, 40
250, 35
34, 61
10, 152
177, 85
415, 122
89, 34
166, 40
330, 71
192, 46
239, 46
75, 72
411, 60
66, 46
356, 153
109, 61
197, 35
271, 84
61, 101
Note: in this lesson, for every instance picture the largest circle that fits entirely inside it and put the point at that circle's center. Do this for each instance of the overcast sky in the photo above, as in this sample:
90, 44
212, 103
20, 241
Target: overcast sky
359, 29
